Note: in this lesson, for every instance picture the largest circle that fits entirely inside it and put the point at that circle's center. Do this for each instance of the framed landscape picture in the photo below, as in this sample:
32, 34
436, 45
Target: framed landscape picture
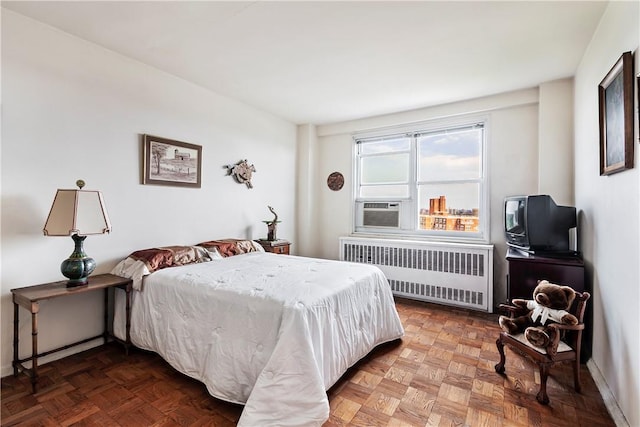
615, 99
169, 162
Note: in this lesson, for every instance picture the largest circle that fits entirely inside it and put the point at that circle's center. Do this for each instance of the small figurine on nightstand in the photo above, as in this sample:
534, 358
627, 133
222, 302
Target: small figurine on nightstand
272, 226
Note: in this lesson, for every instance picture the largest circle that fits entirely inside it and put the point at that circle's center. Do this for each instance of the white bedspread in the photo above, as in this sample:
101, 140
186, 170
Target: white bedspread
269, 331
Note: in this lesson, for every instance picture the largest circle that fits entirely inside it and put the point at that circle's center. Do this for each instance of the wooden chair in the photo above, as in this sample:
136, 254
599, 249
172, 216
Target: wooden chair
564, 348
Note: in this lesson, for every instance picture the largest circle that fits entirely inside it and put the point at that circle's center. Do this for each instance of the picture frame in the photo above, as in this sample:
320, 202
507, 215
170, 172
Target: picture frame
615, 100
638, 104
170, 162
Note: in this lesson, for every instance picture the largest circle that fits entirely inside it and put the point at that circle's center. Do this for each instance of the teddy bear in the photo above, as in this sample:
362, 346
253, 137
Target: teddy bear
550, 304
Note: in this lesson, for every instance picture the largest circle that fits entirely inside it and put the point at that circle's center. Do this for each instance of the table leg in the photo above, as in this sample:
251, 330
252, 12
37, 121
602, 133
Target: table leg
106, 315
16, 321
34, 350
128, 319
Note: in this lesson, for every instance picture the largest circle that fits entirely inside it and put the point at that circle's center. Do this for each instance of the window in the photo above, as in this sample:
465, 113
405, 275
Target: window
424, 182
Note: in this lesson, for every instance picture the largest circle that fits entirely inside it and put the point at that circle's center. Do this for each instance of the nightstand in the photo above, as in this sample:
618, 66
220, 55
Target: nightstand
275, 246
30, 297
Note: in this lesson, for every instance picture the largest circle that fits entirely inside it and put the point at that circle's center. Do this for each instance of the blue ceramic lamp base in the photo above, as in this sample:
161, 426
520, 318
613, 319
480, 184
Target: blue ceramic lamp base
78, 266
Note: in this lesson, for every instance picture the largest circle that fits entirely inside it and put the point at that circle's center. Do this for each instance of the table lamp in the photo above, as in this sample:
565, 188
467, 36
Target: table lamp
77, 213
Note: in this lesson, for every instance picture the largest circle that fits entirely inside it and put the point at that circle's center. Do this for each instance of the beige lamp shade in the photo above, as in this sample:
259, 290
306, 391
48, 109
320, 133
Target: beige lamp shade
80, 212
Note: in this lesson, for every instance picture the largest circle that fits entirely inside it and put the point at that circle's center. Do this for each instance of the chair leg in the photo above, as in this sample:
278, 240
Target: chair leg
542, 394
500, 365
576, 375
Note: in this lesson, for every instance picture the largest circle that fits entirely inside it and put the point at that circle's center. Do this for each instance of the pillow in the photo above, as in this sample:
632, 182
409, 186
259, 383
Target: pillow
154, 258
230, 247
224, 248
132, 269
213, 254
171, 256
145, 261
183, 255
257, 246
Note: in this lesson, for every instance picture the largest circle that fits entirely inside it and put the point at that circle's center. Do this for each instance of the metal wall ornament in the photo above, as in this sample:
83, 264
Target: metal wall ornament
335, 181
242, 172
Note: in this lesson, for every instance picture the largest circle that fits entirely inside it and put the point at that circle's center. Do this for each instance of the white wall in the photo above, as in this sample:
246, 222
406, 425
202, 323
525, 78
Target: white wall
306, 212
555, 130
610, 205
513, 164
71, 110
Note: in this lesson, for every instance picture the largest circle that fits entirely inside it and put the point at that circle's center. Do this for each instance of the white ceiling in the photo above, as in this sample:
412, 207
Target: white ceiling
322, 62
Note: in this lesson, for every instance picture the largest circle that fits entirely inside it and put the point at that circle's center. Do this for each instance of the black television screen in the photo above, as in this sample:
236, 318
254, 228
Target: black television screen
536, 224
514, 216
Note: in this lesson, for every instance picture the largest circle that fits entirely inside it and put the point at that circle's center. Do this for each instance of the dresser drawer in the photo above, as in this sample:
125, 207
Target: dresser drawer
283, 249
277, 246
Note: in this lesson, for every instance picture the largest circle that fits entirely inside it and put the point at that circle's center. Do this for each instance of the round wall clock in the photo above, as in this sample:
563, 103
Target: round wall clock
335, 181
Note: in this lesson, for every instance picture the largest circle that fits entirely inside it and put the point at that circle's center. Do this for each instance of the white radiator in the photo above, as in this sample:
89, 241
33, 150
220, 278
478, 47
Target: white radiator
448, 273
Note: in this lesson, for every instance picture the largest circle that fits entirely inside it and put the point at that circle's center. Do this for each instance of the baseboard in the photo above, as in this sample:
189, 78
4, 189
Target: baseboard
607, 396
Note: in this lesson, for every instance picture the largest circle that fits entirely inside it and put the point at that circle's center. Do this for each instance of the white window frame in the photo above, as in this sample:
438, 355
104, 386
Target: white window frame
409, 205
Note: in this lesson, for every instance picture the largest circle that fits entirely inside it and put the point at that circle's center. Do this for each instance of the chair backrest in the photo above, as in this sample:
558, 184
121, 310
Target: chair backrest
581, 305
578, 308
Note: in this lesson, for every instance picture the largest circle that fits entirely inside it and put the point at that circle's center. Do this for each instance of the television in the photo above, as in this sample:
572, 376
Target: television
537, 225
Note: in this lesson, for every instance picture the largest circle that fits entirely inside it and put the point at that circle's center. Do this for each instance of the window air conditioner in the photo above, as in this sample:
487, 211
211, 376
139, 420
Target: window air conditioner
381, 214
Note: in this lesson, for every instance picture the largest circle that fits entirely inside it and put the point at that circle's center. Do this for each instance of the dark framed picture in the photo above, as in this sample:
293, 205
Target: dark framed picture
615, 99
169, 162
638, 89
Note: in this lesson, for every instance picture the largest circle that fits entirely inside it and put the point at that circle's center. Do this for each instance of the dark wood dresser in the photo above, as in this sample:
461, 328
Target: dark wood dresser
525, 270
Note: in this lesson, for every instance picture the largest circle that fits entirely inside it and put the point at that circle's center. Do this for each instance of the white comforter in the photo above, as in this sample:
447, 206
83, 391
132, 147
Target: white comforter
269, 331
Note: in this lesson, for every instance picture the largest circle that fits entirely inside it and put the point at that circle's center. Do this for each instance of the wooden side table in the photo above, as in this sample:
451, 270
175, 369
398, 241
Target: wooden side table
30, 297
275, 246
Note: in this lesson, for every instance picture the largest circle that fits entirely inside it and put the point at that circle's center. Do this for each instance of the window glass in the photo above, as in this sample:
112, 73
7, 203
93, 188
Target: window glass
385, 145
450, 155
389, 168
450, 206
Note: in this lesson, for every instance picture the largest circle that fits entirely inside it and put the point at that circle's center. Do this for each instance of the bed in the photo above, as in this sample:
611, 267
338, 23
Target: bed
271, 332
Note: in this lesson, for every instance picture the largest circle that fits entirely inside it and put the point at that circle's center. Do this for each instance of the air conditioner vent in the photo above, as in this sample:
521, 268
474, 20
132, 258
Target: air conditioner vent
381, 214
379, 205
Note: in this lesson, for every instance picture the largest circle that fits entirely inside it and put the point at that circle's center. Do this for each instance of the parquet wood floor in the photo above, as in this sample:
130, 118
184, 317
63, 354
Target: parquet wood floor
440, 374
